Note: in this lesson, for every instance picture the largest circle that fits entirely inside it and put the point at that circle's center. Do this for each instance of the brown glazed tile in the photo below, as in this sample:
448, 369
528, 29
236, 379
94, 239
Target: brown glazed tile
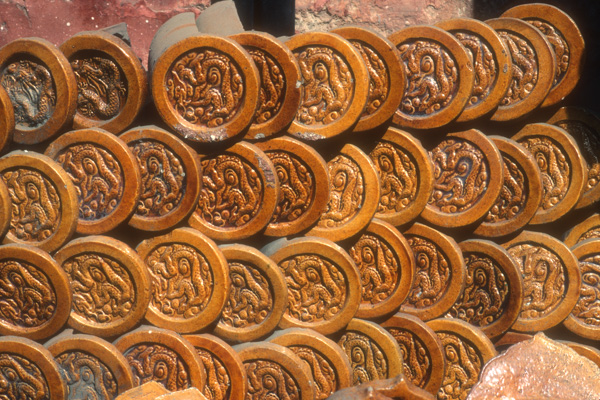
170, 174
303, 185
35, 66
589, 352
584, 319
5, 209
422, 351
328, 363
566, 40
387, 79
335, 85
110, 283
279, 95
440, 77
105, 174
562, 166
584, 126
491, 61
30, 370
467, 179
7, 119
467, 350
588, 229
406, 175
240, 192
323, 283
510, 338
146, 391
440, 273
36, 296
258, 296
190, 280
551, 280
223, 108
112, 85
533, 67
373, 352
163, 356
289, 376
387, 269
521, 191
44, 200
493, 294
354, 192
91, 365
225, 373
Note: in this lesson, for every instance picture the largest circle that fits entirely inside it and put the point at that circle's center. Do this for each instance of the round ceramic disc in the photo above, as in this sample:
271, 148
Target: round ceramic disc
110, 283
41, 86
7, 119
170, 174
562, 166
105, 174
588, 229
533, 67
44, 200
335, 85
439, 276
551, 280
279, 95
209, 109
406, 175
440, 77
467, 175
5, 209
521, 191
491, 62
190, 280
566, 40
111, 82
386, 75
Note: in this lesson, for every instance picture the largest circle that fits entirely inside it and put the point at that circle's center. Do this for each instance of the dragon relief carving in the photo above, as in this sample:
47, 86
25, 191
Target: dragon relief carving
30, 87
87, 377
367, 359
328, 86
218, 381
593, 233
232, 191
379, 268
415, 356
21, 379
323, 372
587, 308
513, 195
432, 275
182, 281
544, 279
269, 380
205, 87
432, 76
554, 166
36, 205
155, 362
484, 64
524, 68
589, 144
163, 178
98, 179
296, 186
347, 192
101, 87
250, 298
272, 85
463, 366
103, 290
559, 45
461, 176
316, 288
486, 291
398, 176
27, 298
379, 80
